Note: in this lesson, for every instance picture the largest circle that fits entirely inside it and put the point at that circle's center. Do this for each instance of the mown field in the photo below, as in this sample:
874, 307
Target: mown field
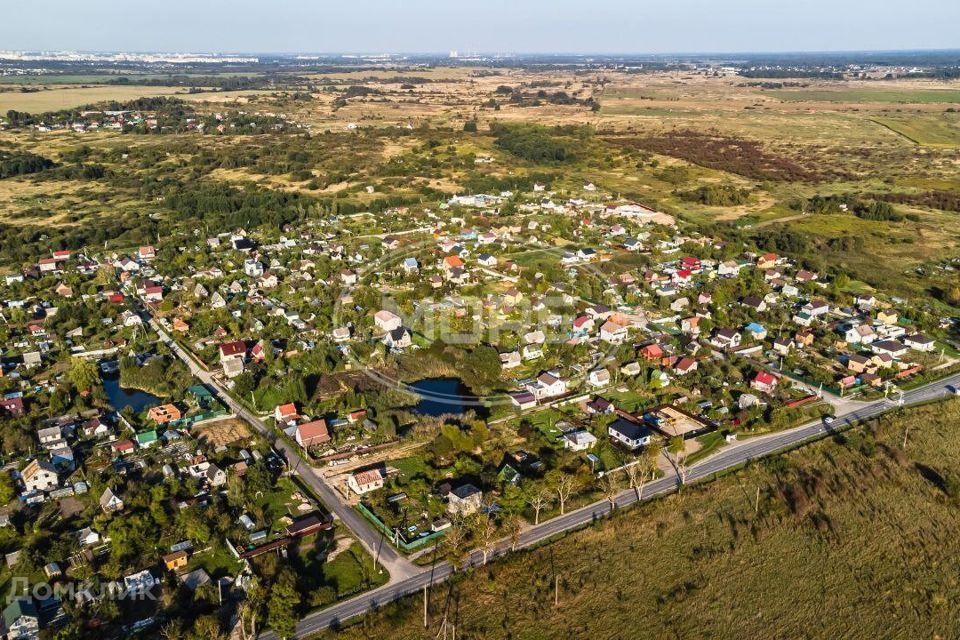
55, 99
907, 96
854, 538
942, 131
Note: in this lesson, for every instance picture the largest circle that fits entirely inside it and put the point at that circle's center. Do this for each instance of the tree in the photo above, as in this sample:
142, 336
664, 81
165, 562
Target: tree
206, 628
538, 499
485, 529
7, 489
454, 544
514, 526
611, 488
677, 448
281, 616
564, 485
83, 374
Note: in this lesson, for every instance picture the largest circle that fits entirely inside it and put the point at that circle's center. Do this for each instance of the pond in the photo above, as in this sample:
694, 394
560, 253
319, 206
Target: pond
444, 395
120, 397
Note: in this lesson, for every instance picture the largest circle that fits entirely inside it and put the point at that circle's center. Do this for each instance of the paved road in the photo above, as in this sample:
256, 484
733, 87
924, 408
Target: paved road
726, 458
398, 566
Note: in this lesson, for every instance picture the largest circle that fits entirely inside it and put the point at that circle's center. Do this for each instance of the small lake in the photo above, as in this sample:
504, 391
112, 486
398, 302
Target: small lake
120, 397
444, 395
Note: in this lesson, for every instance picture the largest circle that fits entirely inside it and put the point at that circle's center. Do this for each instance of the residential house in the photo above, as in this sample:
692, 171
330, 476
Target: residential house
755, 303
399, 338
164, 413
613, 332
363, 482
215, 476
888, 316
285, 413
684, 366
12, 404
919, 342
860, 334
782, 345
547, 385
110, 502
767, 261
632, 434
139, 583
756, 331
599, 377
764, 381
510, 360
580, 440
465, 500
724, 338
523, 400
651, 352
858, 363
890, 347
176, 560
39, 475
21, 620
312, 433
386, 320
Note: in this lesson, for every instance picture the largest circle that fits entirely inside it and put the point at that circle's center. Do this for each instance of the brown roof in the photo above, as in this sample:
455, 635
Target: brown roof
313, 432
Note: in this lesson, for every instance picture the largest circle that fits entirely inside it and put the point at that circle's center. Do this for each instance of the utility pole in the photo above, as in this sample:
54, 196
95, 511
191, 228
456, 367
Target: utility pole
424, 606
756, 504
556, 590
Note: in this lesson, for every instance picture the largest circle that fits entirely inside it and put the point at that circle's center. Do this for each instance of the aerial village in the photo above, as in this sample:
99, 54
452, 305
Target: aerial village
497, 357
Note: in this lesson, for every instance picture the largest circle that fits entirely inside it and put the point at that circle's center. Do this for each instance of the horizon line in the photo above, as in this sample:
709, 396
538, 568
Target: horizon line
476, 53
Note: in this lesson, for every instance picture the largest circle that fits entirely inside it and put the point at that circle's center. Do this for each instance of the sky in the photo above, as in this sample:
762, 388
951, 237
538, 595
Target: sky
489, 26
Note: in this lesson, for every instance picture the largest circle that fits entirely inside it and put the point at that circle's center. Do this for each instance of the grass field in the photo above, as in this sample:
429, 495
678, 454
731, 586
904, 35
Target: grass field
853, 538
905, 96
69, 97
943, 131
57, 98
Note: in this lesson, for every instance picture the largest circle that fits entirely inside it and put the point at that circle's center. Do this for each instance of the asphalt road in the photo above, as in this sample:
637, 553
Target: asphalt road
731, 456
396, 565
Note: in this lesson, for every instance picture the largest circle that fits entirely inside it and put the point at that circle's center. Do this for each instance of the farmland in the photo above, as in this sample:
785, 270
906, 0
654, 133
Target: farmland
68, 97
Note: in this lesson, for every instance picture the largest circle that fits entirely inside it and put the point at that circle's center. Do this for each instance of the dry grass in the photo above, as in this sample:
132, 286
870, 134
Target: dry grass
222, 432
853, 540
57, 98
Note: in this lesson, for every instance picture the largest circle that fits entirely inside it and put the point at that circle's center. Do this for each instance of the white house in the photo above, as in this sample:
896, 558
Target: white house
919, 342
387, 320
547, 385
613, 333
40, 475
599, 377
580, 440
631, 434
363, 482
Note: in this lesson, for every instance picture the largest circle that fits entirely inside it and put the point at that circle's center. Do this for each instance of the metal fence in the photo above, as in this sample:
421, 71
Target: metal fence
401, 543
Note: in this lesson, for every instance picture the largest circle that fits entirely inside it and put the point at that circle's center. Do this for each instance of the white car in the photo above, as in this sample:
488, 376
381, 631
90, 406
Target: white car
828, 420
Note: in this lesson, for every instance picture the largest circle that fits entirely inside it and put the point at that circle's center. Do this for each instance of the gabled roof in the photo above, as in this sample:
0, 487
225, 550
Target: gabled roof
630, 430
235, 348
19, 608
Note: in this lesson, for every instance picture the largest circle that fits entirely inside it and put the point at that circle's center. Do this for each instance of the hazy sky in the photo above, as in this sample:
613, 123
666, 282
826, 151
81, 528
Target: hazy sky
517, 26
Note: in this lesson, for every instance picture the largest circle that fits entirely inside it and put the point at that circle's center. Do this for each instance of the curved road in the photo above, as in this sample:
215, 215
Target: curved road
731, 456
